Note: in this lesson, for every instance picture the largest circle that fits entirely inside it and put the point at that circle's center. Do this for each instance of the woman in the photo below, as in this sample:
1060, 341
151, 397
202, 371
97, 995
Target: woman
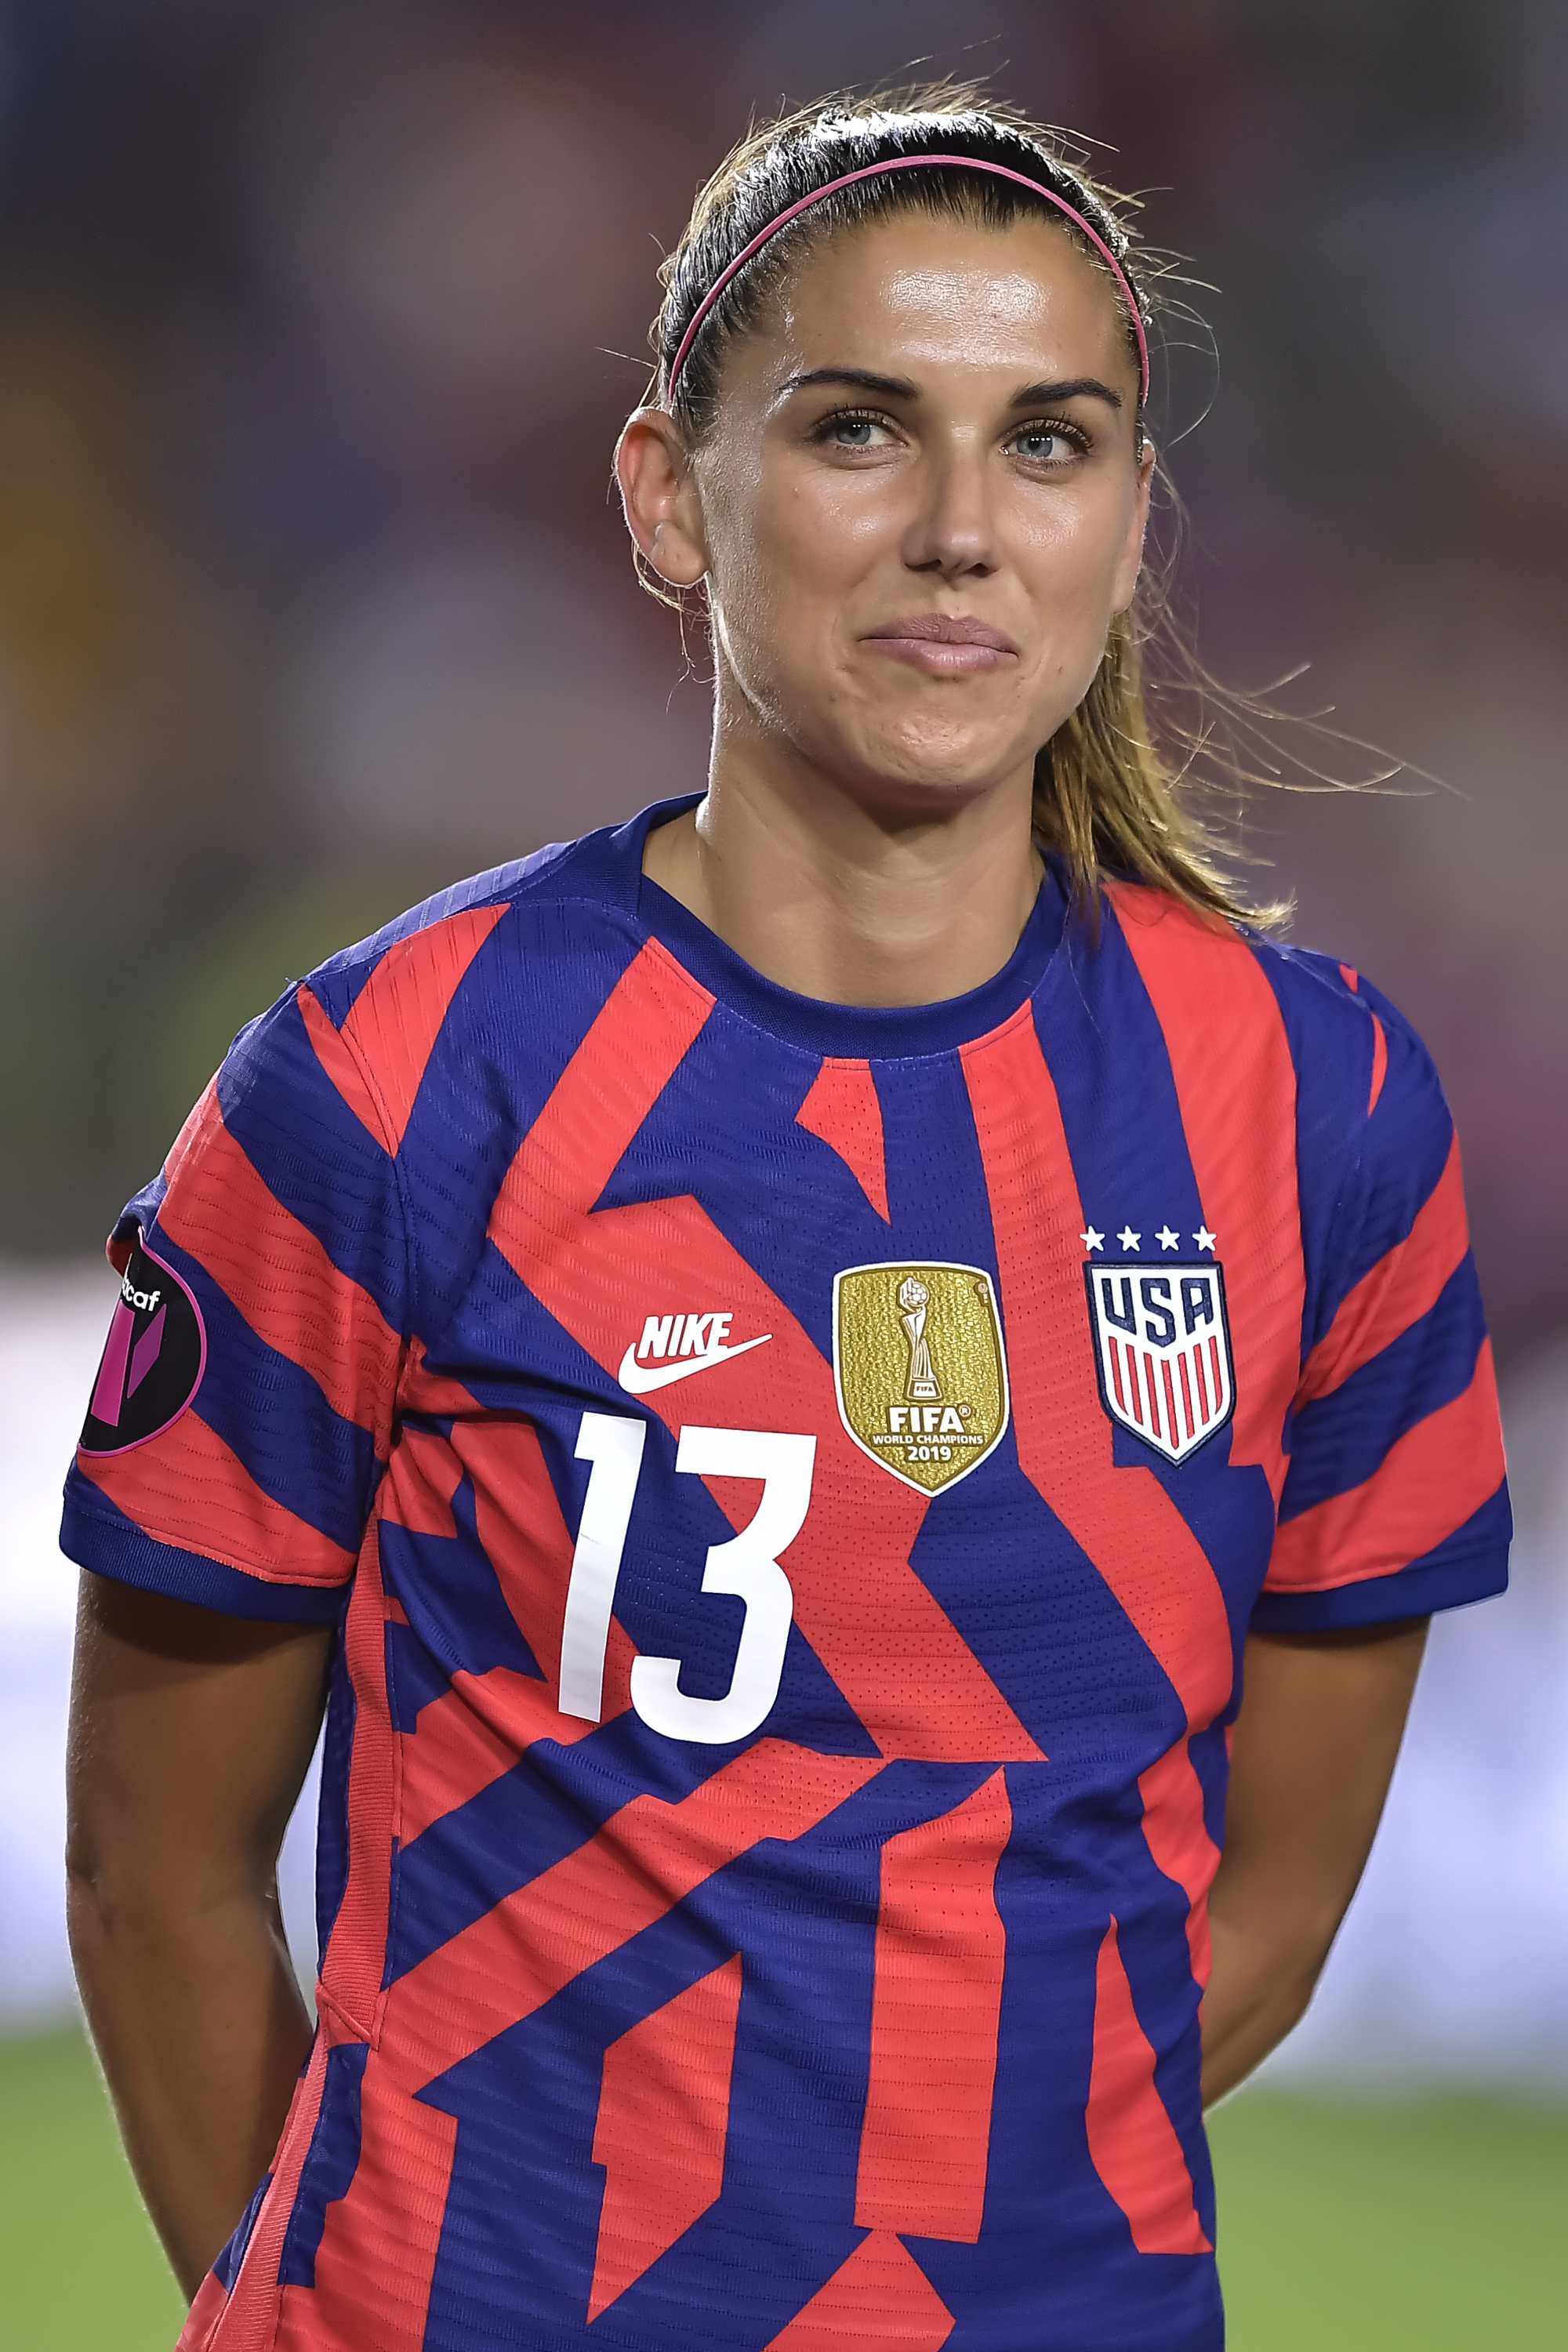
773, 1365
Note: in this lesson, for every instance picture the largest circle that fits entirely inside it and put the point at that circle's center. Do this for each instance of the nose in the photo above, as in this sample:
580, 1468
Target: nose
953, 531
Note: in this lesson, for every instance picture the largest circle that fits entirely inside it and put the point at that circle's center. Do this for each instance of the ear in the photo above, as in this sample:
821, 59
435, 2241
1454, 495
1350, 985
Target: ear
1130, 561
658, 496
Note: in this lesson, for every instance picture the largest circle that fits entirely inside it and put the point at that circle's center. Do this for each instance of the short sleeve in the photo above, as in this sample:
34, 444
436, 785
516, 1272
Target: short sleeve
1395, 1502
241, 1415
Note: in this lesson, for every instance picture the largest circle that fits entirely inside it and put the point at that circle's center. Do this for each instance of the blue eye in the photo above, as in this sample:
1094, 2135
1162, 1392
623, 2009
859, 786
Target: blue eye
854, 432
1047, 445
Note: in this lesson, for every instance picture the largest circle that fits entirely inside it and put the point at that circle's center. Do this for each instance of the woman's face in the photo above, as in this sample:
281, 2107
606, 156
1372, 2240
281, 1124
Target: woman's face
920, 505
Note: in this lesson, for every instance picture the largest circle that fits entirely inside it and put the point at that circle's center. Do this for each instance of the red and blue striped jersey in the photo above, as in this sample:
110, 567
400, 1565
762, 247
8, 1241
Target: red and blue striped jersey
793, 1483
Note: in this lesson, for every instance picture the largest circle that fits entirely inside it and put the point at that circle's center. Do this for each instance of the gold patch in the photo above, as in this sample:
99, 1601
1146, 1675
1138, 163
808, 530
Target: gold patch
920, 1369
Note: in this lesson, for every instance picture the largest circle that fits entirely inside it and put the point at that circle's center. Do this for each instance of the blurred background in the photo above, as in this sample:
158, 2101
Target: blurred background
317, 323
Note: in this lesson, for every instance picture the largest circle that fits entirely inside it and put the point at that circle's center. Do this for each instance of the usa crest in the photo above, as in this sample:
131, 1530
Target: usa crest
1162, 1349
919, 1369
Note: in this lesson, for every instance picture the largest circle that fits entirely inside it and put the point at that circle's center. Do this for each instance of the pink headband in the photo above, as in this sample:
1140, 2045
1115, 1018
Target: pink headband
911, 164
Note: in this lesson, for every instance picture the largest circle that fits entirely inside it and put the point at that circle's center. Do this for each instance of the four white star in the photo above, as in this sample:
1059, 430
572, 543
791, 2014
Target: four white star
1167, 1239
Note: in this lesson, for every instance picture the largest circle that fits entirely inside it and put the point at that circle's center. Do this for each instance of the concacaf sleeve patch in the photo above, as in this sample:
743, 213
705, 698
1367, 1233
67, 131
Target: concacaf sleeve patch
152, 1360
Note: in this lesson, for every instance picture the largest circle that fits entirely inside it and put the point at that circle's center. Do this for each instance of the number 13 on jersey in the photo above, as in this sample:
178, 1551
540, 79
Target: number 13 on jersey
746, 1566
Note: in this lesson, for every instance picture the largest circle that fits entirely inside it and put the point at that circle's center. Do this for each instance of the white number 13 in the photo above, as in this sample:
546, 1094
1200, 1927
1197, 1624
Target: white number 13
747, 1566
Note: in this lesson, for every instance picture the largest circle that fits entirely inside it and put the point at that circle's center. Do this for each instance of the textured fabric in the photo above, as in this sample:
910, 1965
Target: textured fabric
794, 1482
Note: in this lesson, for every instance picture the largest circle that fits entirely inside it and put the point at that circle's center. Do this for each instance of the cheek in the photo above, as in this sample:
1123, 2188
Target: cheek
816, 537
1068, 562
787, 563
1070, 552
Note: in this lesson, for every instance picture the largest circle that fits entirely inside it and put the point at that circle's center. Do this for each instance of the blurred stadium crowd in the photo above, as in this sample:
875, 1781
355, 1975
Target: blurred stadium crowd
317, 322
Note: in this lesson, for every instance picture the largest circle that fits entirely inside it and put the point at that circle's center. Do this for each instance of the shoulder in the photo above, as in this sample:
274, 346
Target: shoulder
557, 925
1376, 1154
1280, 1036
333, 1066
1373, 1120
1230, 977
315, 1094
452, 923
1240, 986
1360, 1061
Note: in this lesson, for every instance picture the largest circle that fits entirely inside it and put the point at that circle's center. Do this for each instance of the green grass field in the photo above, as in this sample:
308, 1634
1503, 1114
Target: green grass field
1432, 2226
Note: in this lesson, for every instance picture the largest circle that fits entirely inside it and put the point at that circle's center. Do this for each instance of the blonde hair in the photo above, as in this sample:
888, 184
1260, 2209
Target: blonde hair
1112, 800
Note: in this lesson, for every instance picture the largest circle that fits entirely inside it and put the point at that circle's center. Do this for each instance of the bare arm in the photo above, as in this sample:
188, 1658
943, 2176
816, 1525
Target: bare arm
1314, 1751
191, 1734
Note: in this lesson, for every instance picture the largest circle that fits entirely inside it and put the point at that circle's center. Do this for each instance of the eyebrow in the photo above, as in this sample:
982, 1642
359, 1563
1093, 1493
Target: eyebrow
891, 387
897, 387
1087, 387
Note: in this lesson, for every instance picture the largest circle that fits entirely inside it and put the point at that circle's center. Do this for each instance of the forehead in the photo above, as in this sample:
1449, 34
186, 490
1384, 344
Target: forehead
948, 292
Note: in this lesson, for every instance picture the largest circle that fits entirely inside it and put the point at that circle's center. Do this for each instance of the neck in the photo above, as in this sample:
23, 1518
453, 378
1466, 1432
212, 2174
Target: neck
844, 901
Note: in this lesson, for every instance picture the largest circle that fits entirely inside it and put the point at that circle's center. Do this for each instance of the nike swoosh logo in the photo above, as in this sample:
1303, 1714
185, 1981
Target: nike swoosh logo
640, 1383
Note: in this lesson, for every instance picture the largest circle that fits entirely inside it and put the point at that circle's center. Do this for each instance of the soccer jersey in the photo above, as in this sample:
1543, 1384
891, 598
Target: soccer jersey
792, 1482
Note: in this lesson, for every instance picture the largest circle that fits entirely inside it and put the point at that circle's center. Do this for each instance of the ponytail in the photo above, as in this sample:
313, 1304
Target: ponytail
1107, 804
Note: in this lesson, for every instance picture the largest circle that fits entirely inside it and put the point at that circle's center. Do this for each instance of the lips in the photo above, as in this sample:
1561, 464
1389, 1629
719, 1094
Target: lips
944, 644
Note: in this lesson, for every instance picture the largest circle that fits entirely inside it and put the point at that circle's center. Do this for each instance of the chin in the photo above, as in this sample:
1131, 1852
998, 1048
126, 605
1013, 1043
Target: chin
942, 771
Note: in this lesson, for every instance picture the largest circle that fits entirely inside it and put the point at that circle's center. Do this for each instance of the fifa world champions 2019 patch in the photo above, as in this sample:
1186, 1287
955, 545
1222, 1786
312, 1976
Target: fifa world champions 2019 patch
919, 1369
152, 1360
1162, 1351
